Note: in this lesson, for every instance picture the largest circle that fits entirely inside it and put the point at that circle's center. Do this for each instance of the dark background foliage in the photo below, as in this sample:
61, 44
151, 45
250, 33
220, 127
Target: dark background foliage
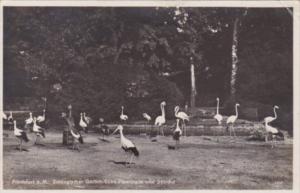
98, 59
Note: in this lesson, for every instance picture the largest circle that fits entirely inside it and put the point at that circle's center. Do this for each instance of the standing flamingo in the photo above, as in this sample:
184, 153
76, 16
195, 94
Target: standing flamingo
273, 131
231, 120
182, 116
123, 117
218, 116
160, 120
270, 119
147, 117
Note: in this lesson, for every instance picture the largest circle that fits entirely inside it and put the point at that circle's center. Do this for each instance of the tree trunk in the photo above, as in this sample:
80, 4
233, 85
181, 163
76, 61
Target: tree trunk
234, 59
193, 86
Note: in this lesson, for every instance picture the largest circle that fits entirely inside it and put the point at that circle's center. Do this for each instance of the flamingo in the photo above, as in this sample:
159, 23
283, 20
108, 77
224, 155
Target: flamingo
29, 120
87, 120
273, 131
182, 116
147, 117
20, 134
270, 119
39, 131
82, 124
126, 144
231, 120
218, 116
160, 120
123, 117
177, 133
41, 118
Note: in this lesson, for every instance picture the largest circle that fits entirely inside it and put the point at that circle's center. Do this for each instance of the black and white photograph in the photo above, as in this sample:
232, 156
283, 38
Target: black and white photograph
149, 97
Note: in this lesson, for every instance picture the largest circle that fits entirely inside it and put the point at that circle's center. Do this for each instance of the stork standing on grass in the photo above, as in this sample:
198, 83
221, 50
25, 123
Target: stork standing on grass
270, 118
103, 128
147, 117
29, 122
273, 132
182, 116
231, 120
161, 120
20, 134
39, 131
177, 133
87, 120
126, 144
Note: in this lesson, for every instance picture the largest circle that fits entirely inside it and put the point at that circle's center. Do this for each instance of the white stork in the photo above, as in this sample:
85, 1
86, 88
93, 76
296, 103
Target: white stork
273, 131
126, 144
231, 120
87, 120
39, 131
161, 120
82, 124
123, 117
177, 133
20, 134
270, 118
182, 116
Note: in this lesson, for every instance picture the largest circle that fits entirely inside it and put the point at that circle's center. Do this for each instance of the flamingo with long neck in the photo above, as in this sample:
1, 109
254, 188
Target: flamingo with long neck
231, 120
160, 120
182, 116
270, 119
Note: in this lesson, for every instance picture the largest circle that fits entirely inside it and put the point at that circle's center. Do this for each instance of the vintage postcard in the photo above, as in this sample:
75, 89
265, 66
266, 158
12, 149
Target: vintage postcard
150, 95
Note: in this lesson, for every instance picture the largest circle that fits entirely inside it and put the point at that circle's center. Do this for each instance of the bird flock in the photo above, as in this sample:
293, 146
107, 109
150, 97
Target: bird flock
36, 125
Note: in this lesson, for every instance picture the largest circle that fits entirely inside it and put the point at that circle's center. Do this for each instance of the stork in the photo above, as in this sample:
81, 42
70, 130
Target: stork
177, 133
29, 120
231, 120
126, 144
82, 124
182, 116
147, 117
161, 120
39, 131
269, 119
20, 134
273, 131
123, 117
